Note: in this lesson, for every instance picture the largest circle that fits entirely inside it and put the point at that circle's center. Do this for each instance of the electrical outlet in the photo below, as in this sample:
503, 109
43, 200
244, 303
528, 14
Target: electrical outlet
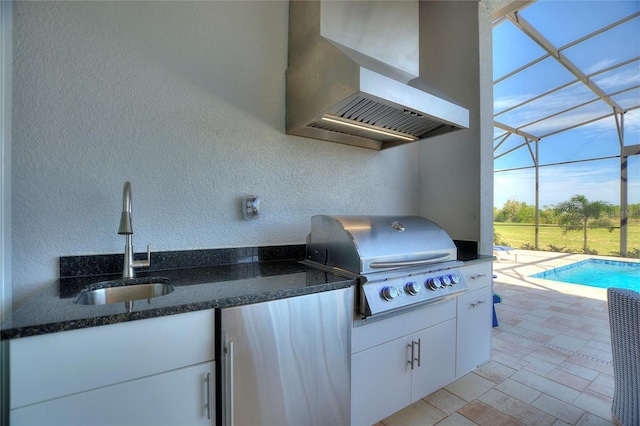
250, 207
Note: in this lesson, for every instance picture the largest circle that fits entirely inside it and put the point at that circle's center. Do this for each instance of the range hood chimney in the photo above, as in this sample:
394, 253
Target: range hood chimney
353, 73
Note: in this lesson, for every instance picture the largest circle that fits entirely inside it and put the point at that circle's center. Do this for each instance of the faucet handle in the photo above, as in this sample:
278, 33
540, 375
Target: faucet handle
145, 262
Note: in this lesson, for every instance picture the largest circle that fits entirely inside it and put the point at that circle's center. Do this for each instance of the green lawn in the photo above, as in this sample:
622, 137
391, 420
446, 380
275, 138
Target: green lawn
606, 243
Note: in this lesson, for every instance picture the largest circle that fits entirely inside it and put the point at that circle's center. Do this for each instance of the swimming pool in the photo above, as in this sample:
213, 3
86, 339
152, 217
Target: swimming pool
596, 273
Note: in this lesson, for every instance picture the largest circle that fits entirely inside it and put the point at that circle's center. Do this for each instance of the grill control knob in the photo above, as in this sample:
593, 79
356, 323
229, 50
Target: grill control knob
446, 280
413, 288
434, 283
389, 293
455, 278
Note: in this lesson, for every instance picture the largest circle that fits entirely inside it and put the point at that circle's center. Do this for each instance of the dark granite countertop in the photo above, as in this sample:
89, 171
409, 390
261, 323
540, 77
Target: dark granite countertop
202, 279
256, 277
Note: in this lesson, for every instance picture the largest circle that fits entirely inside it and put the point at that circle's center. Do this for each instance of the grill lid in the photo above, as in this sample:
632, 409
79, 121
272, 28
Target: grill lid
368, 244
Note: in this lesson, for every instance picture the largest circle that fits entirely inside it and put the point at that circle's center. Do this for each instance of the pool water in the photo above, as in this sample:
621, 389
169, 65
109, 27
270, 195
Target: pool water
597, 273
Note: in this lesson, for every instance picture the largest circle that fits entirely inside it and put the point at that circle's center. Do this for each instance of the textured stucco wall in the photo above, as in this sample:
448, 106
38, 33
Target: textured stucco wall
185, 100
486, 128
455, 173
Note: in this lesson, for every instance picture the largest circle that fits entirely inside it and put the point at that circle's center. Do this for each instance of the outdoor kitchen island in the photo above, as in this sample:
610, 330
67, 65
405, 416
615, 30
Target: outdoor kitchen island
178, 337
401, 359
422, 317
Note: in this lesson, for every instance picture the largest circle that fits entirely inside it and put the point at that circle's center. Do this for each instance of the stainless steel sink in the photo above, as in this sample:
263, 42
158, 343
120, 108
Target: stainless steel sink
124, 290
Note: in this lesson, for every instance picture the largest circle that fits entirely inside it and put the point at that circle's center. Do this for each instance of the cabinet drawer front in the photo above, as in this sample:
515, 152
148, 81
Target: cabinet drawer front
53, 365
178, 397
478, 275
379, 332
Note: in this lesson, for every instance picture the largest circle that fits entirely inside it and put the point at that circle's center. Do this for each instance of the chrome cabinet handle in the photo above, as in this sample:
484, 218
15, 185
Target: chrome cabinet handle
208, 396
475, 277
412, 346
229, 416
479, 302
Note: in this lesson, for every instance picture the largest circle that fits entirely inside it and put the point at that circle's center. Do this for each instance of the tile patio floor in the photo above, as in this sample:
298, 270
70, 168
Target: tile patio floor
551, 356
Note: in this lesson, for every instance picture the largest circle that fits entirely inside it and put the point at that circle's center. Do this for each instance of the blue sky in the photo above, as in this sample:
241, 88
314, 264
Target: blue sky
562, 22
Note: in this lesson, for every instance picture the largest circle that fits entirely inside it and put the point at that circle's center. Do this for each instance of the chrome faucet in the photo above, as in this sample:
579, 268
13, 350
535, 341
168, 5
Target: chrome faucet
127, 230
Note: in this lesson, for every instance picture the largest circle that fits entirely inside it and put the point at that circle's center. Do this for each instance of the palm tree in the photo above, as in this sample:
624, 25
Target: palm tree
576, 213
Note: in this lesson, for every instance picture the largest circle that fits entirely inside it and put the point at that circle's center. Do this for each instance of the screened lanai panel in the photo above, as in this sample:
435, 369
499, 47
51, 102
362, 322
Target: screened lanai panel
563, 22
618, 79
573, 111
607, 44
628, 99
632, 128
532, 81
520, 157
574, 117
504, 141
598, 139
579, 178
516, 49
553, 103
514, 185
633, 165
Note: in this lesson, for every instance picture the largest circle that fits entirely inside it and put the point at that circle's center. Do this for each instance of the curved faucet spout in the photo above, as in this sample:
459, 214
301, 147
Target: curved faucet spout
125, 218
126, 228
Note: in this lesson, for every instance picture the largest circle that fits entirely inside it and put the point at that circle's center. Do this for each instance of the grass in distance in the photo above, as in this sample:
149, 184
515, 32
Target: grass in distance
552, 238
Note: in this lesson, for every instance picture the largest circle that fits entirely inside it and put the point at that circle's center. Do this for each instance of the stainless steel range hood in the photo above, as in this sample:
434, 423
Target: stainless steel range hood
353, 75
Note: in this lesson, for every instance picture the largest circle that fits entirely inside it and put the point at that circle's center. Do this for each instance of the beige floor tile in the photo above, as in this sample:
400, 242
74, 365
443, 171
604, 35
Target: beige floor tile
494, 371
603, 338
603, 384
602, 346
539, 328
594, 403
552, 355
591, 363
544, 385
537, 337
508, 360
518, 338
419, 414
567, 342
598, 354
579, 370
521, 411
558, 409
538, 366
519, 391
512, 349
580, 333
470, 386
485, 415
592, 420
568, 379
456, 419
445, 401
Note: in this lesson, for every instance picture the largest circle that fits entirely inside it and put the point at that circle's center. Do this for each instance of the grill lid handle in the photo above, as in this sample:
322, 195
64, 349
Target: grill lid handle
403, 263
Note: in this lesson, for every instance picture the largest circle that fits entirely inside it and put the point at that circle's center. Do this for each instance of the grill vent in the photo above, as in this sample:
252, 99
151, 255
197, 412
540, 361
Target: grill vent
383, 116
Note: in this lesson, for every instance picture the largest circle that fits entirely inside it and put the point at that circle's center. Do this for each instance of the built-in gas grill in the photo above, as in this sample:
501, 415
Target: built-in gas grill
401, 261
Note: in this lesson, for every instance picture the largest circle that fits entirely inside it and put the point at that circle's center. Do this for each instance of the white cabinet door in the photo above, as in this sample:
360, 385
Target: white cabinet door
380, 381
437, 359
180, 397
474, 329
54, 365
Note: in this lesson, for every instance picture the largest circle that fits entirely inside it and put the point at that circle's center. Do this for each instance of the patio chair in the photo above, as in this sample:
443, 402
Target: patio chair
497, 250
624, 320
